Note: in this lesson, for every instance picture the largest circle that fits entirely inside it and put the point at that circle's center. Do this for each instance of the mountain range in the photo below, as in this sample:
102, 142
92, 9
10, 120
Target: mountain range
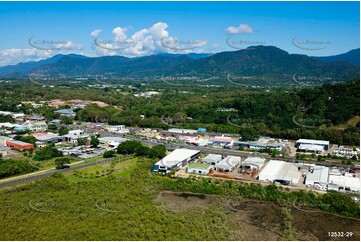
253, 61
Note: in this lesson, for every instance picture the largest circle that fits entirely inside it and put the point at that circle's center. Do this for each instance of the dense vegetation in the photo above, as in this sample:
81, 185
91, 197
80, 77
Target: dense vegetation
329, 112
12, 167
123, 207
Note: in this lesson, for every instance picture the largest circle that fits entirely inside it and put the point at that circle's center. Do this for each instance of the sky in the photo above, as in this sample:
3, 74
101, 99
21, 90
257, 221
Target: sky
32, 31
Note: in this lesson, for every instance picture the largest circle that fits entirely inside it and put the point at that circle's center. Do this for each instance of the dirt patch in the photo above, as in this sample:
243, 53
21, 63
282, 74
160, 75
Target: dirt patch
183, 201
320, 223
260, 220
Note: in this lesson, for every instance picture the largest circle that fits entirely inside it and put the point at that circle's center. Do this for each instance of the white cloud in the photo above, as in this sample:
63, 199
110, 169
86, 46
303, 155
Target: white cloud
14, 56
242, 28
155, 39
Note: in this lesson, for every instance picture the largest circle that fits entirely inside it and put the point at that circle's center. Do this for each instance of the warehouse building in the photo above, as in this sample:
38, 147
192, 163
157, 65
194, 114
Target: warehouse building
198, 168
317, 176
221, 141
176, 159
281, 172
252, 163
312, 145
19, 145
212, 159
345, 183
228, 164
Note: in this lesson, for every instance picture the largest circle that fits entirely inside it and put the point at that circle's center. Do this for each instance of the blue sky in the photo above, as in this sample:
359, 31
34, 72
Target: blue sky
143, 28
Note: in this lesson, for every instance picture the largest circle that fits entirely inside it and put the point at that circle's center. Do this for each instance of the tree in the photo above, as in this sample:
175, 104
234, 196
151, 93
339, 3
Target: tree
60, 162
158, 151
52, 127
94, 141
63, 130
82, 141
109, 153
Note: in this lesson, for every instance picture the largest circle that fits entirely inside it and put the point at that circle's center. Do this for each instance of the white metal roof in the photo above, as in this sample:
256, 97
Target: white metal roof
319, 174
212, 158
345, 181
111, 139
311, 147
229, 162
313, 141
270, 171
177, 156
254, 160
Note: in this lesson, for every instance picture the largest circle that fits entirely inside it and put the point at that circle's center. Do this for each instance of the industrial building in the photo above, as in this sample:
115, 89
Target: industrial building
344, 183
262, 143
198, 168
253, 163
318, 175
228, 164
111, 141
280, 171
19, 145
116, 128
212, 159
176, 159
312, 145
221, 141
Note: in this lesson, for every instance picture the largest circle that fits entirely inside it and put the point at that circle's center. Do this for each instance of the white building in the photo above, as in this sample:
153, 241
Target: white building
228, 163
212, 159
117, 129
253, 163
280, 171
176, 159
36, 126
182, 131
344, 183
312, 145
111, 141
198, 168
317, 175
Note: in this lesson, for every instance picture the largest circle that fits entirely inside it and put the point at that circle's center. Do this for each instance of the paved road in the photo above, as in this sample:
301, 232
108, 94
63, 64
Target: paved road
51, 172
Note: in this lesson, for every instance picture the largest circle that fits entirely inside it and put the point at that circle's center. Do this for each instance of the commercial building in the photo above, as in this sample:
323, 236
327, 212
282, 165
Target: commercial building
198, 168
260, 144
19, 145
111, 141
221, 141
212, 159
228, 164
312, 145
252, 163
47, 138
318, 175
345, 183
182, 131
280, 171
176, 159
117, 128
